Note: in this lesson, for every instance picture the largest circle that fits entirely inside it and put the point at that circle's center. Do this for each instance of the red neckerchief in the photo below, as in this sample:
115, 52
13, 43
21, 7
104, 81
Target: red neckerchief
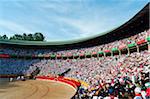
138, 95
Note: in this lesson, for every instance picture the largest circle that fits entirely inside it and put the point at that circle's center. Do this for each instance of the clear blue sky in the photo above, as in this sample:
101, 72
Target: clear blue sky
65, 19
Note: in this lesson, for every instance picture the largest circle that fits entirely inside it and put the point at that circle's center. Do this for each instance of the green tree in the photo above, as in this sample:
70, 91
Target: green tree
38, 36
30, 37
5, 37
24, 36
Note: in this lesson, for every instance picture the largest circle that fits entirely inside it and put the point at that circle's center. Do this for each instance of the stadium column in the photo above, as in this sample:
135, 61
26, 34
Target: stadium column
137, 48
148, 46
67, 57
56, 57
111, 53
119, 52
128, 50
104, 54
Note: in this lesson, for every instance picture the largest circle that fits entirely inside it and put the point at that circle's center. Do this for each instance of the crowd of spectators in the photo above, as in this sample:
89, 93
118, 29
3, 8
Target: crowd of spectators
15, 66
125, 71
109, 46
120, 76
104, 75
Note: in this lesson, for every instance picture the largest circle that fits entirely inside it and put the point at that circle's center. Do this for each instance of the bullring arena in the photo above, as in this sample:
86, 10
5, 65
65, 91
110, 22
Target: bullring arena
111, 65
36, 89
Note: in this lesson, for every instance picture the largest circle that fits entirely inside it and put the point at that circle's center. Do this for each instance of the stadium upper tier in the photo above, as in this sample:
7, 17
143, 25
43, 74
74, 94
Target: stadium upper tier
122, 46
137, 24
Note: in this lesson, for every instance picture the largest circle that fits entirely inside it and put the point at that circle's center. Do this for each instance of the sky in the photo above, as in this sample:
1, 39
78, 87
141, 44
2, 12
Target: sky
61, 20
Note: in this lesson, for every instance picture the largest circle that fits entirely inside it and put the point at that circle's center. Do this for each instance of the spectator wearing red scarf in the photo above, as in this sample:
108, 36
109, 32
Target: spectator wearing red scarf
137, 91
148, 89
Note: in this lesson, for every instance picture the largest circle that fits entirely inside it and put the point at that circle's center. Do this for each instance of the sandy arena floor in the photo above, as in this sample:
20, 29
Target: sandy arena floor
35, 89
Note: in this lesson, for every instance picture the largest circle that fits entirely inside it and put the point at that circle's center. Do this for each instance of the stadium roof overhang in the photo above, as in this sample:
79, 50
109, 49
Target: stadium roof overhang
139, 18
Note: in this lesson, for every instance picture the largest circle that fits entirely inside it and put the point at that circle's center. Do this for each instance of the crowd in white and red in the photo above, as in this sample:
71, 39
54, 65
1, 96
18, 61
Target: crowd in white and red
120, 76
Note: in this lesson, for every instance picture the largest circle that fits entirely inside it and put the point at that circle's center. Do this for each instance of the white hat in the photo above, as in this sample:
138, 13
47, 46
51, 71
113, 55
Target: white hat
137, 90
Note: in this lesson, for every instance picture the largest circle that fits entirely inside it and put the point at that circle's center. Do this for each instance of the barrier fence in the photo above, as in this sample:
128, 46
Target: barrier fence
73, 83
